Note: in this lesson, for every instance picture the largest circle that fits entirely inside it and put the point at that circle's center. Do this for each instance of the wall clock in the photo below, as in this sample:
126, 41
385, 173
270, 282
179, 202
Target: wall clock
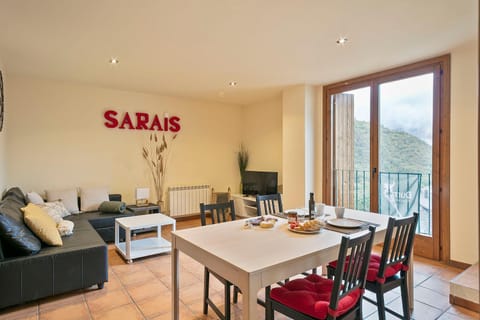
1, 101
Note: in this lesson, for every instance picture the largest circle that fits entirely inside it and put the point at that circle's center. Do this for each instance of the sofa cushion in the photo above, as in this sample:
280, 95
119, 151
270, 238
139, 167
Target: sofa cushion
91, 198
35, 198
68, 197
42, 225
17, 239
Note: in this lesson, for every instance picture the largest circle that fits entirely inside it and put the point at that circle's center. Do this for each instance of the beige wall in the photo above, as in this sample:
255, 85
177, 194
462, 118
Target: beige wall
57, 139
262, 136
3, 138
463, 160
298, 110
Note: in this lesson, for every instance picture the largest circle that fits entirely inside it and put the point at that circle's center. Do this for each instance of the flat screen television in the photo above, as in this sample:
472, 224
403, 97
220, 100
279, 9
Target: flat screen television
259, 182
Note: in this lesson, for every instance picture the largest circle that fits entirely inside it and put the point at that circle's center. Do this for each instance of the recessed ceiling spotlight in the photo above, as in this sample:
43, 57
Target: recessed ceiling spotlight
232, 83
113, 61
342, 40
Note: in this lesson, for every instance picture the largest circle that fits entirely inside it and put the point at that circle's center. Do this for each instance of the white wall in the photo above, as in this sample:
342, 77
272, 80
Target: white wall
57, 139
3, 136
463, 154
262, 136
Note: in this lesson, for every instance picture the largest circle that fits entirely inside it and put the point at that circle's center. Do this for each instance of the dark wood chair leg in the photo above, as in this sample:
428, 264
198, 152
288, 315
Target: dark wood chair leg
380, 304
405, 300
330, 272
227, 301
268, 305
206, 283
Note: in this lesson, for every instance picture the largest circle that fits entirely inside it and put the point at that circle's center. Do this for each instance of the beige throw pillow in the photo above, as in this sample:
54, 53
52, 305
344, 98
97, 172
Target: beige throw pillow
42, 225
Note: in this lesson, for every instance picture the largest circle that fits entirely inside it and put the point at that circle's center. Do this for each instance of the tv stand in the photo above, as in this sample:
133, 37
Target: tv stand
245, 206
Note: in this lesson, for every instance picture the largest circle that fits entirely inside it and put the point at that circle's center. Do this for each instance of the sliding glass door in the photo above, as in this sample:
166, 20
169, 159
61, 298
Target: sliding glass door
384, 150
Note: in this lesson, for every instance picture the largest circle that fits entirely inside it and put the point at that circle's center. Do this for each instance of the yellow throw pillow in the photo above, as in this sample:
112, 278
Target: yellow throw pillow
42, 225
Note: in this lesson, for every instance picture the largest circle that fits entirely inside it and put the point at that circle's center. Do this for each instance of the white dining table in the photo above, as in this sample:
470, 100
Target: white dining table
253, 258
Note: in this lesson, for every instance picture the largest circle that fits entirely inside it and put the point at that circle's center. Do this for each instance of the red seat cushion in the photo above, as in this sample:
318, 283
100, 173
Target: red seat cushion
373, 267
311, 295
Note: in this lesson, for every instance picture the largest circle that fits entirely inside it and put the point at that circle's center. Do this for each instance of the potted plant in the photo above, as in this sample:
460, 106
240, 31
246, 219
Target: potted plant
242, 159
156, 154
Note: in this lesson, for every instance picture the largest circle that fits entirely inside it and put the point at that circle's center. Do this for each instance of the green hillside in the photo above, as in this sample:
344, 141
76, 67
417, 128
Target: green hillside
399, 151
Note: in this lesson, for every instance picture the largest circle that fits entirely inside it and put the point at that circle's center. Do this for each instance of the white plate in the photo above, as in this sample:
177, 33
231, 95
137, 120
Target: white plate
345, 223
305, 231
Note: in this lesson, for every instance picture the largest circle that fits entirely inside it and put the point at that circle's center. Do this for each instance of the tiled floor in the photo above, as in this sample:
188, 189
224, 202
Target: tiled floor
142, 291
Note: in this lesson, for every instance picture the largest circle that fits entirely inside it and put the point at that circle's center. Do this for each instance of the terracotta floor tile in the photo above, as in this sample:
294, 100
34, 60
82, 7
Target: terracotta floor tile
21, 312
78, 311
432, 298
437, 285
148, 289
101, 301
128, 268
419, 278
186, 279
128, 311
156, 305
192, 294
421, 311
136, 277
60, 300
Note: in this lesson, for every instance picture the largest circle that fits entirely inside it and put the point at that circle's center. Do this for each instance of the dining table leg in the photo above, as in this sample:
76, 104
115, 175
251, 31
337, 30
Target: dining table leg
249, 296
175, 282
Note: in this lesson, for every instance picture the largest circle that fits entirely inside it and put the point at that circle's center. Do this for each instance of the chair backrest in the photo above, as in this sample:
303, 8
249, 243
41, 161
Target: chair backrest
269, 204
351, 272
398, 243
218, 212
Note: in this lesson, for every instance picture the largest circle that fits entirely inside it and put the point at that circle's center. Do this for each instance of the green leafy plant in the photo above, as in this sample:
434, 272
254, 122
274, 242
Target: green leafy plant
242, 159
156, 154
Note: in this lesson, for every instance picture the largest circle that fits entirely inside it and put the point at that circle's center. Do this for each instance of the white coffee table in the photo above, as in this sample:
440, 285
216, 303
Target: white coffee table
133, 249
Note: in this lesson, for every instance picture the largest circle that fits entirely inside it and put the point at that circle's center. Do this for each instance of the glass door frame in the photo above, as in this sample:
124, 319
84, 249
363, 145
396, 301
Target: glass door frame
438, 246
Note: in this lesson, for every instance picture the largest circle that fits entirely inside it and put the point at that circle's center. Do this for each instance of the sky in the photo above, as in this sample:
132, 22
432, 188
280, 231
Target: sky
405, 105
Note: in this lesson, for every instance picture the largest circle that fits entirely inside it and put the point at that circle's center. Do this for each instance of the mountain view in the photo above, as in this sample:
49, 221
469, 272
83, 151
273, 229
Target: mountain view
399, 150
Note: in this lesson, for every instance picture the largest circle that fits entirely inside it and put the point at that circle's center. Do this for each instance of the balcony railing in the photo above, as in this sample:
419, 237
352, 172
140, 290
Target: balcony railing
401, 194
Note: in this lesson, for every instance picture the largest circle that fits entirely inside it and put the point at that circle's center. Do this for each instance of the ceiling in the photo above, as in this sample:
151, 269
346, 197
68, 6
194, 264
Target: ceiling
194, 48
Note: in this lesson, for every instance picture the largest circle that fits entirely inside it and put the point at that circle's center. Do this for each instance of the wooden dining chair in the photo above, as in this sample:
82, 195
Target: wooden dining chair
389, 271
316, 297
269, 204
218, 214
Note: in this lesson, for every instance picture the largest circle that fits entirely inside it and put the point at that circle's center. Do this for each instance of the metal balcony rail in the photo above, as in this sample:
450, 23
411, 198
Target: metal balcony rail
400, 194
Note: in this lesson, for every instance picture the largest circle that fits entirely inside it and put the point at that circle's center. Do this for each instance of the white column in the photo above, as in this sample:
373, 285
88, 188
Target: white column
298, 107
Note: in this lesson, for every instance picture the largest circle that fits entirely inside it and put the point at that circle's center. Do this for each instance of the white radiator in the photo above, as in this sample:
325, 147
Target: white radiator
186, 200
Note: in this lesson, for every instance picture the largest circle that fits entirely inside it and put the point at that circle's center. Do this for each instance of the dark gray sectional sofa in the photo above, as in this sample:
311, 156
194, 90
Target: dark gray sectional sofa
82, 260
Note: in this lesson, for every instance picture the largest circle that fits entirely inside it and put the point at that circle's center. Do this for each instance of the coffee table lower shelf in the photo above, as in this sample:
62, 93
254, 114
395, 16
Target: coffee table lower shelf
137, 248
144, 248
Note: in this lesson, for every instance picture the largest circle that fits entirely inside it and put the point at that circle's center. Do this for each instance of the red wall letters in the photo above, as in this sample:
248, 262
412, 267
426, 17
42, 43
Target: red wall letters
141, 121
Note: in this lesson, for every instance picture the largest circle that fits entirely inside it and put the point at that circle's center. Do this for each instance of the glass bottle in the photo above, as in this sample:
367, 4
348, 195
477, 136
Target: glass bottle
311, 206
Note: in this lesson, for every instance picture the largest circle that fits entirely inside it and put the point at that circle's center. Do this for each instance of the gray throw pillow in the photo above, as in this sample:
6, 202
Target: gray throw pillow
15, 193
